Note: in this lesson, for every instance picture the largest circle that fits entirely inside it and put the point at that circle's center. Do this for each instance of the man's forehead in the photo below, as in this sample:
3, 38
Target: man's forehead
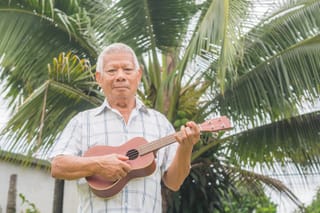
119, 63
116, 59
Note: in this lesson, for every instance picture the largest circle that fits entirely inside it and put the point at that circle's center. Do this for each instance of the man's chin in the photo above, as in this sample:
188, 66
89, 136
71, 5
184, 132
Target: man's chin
120, 95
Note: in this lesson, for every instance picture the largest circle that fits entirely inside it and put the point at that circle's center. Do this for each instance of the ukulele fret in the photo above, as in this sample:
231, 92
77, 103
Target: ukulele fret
157, 144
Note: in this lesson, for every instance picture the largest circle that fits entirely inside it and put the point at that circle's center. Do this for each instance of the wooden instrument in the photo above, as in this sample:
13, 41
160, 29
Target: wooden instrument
141, 157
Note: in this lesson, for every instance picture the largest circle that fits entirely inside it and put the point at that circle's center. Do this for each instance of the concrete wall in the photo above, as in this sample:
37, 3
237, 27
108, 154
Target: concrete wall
37, 186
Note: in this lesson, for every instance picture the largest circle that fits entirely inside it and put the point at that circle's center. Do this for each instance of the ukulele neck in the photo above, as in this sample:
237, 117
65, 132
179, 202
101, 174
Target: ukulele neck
157, 144
212, 125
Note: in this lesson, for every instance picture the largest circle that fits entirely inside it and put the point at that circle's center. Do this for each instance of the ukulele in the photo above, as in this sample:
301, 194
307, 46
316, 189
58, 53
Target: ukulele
141, 157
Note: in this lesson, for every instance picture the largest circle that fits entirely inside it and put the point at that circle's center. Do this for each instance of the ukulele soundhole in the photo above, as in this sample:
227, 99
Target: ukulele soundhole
132, 154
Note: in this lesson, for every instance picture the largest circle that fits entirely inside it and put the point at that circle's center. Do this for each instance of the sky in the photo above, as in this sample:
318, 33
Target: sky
4, 115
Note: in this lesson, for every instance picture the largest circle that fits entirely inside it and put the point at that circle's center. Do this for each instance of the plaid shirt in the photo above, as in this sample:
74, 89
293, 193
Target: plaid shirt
105, 126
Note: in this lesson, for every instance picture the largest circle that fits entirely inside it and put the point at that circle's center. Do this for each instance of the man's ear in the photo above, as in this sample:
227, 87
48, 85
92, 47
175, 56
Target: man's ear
140, 70
98, 78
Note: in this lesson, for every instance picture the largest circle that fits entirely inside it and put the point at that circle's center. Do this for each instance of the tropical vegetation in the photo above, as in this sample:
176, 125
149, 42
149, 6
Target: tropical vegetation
201, 59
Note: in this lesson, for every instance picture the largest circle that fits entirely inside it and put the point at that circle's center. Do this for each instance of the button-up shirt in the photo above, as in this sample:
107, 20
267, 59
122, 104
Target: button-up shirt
106, 126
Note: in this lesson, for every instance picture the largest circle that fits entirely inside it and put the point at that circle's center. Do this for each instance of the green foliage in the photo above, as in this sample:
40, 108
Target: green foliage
249, 203
210, 189
181, 119
69, 82
203, 190
29, 206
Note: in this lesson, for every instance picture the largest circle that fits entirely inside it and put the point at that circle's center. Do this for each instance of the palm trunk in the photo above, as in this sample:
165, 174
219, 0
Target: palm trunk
12, 194
58, 196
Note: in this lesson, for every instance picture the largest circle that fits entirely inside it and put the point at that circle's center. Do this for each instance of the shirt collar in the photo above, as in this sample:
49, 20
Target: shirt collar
105, 105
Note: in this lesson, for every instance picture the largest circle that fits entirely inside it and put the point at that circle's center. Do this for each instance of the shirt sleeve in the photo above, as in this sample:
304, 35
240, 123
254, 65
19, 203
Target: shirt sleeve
69, 141
169, 151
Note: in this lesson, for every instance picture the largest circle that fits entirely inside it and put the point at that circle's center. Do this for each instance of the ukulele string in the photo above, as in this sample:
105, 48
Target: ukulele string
155, 145
152, 146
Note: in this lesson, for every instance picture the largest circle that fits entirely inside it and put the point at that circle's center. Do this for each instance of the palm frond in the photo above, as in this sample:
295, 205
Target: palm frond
252, 181
277, 87
48, 109
23, 160
26, 48
140, 24
293, 140
217, 37
271, 72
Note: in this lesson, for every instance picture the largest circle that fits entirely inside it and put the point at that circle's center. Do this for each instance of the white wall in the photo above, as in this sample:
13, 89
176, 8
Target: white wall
70, 201
37, 186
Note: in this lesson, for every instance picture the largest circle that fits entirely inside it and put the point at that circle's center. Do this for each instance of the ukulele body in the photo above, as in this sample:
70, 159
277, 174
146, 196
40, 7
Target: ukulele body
141, 157
142, 165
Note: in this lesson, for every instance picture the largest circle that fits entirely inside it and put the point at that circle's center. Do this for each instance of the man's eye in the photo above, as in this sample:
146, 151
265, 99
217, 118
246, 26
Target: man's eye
128, 70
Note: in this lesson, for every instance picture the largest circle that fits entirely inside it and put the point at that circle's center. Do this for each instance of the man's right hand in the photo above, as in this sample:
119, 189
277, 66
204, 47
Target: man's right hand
112, 167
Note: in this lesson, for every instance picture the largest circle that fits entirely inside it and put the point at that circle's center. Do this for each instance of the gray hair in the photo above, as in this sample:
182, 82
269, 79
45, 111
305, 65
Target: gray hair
116, 48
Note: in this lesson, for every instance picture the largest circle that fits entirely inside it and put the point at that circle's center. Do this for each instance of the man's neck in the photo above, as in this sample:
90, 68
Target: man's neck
124, 106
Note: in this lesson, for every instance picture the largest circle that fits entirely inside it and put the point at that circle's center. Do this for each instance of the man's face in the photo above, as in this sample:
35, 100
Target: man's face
119, 78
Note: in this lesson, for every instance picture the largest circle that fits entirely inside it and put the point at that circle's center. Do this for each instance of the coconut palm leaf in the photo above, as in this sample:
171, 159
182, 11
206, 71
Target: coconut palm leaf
254, 180
293, 140
213, 179
146, 25
279, 75
70, 88
32, 33
271, 72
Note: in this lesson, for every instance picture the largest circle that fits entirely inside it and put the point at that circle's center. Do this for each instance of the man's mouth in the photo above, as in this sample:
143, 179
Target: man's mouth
120, 87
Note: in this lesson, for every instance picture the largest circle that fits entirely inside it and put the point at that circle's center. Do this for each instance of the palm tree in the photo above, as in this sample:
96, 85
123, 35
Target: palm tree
200, 59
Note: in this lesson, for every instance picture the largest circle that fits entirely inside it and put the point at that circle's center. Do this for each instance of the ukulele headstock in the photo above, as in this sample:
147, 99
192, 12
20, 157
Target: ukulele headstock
215, 124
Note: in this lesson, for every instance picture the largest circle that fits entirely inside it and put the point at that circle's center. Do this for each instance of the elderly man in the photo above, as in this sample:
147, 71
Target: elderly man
120, 118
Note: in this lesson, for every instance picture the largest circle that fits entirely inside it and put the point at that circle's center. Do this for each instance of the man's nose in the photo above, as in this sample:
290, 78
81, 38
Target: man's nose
120, 73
